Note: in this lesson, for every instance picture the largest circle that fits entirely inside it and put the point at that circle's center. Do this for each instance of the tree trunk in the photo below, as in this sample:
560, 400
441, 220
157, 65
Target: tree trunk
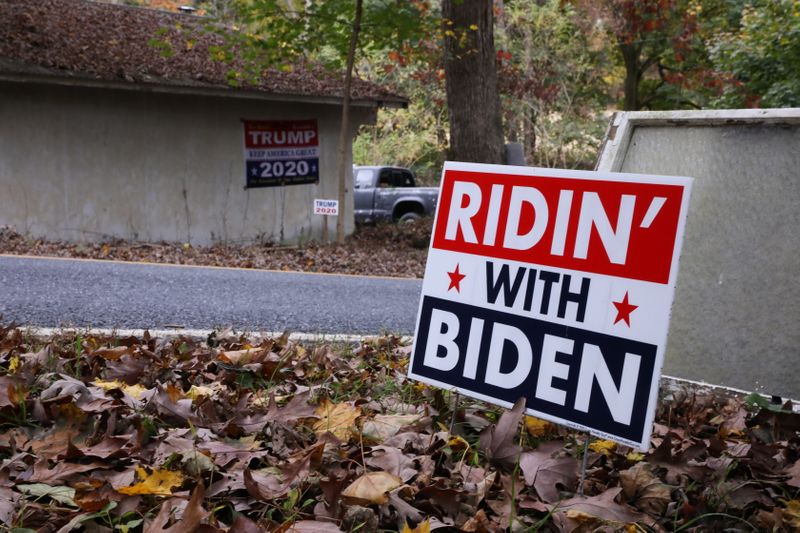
344, 133
630, 55
476, 127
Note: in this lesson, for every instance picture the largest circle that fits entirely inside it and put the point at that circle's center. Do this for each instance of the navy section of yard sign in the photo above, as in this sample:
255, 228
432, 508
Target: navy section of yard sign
570, 358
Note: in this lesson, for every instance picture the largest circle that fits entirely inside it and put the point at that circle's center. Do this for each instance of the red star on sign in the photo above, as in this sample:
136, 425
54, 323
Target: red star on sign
624, 310
455, 279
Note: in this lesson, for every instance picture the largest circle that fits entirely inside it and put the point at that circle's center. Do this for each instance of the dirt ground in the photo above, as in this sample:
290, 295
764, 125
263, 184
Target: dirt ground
382, 250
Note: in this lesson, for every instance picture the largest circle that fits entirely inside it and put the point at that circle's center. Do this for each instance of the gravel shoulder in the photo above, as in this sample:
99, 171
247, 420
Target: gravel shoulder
382, 250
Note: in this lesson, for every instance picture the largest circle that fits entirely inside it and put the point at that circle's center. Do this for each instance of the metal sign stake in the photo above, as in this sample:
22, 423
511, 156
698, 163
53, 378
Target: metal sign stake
455, 410
582, 477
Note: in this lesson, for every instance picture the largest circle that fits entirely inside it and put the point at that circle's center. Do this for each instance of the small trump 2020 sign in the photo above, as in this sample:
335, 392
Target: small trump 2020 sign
554, 285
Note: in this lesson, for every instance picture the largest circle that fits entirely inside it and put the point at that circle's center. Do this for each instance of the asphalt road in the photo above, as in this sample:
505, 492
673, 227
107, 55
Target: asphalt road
58, 292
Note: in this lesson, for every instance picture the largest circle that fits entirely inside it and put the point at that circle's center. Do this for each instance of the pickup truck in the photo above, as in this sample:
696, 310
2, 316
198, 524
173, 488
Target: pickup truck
390, 193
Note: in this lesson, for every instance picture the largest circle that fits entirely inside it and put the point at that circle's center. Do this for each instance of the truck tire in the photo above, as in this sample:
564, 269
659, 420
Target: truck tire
411, 216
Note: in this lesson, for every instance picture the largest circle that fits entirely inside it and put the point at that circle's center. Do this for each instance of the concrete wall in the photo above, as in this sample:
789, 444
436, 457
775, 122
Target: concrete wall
736, 315
86, 164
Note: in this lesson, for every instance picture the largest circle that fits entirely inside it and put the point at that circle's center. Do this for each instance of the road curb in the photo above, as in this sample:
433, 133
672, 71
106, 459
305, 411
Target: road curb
668, 383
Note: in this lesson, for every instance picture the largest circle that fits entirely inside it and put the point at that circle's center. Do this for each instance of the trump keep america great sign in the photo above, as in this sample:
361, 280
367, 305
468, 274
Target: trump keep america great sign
555, 286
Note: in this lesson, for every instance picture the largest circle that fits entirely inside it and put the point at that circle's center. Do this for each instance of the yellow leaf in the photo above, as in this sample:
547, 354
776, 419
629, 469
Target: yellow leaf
457, 443
134, 391
473, 27
198, 391
792, 514
538, 427
338, 418
634, 456
579, 516
13, 364
603, 446
422, 527
372, 488
160, 482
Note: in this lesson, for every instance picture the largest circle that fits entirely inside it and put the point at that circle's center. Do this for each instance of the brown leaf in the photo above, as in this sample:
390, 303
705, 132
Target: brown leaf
794, 474
113, 354
242, 524
548, 474
60, 471
298, 408
372, 487
9, 391
266, 486
381, 427
169, 403
498, 441
677, 464
193, 514
601, 507
645, 489
393, 461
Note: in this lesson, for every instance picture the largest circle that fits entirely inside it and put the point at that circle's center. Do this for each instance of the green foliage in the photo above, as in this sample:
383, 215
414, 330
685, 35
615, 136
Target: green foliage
319, 30
762, 56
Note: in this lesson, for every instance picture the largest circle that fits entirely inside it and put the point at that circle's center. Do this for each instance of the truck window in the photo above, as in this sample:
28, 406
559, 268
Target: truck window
385, 180
364, 178
407, 179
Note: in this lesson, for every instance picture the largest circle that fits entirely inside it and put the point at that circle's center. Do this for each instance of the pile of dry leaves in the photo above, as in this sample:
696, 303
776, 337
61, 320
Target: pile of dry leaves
266, 434
398, 250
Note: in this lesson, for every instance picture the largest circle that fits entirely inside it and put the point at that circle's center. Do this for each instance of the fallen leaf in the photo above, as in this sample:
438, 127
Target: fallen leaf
794, 474
339, 419
192, 515
549, 475
63, 495
298, 408
645, 490
601, 507
372, 488
498, 441
61, 470
602, 446
113, 353
537, 427
393, 461
134, 391
381, 427
791, 514
314, 526
160, 482
422, 527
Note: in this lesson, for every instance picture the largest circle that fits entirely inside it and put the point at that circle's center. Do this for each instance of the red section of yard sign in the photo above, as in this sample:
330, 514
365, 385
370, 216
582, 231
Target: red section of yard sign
650, 246
280, 133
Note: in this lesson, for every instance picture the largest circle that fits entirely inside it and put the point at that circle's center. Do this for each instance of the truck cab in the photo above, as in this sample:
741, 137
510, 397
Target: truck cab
390, 194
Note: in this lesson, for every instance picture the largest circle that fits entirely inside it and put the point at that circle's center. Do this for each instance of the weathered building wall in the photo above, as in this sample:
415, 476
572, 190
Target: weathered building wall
87, 164
737, 299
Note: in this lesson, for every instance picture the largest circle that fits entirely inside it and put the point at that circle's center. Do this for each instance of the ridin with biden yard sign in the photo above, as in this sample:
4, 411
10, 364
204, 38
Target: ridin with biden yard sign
555, 286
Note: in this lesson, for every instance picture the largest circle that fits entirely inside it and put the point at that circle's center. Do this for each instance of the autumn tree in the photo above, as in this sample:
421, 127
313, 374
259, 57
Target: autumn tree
476, 129
553, 81
648, 34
